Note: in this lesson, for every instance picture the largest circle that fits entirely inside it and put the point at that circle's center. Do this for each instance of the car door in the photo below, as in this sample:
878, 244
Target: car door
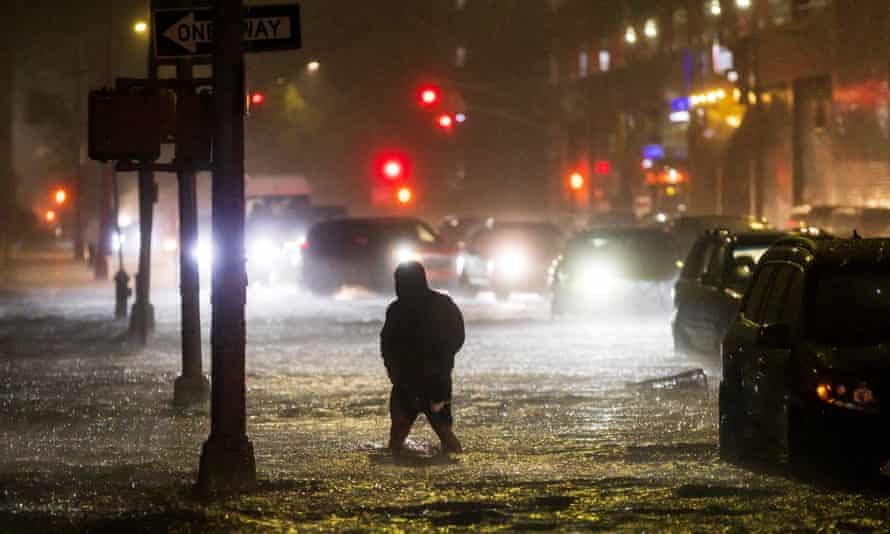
702, 300
685, 292
740, 344
714, 301
782, 306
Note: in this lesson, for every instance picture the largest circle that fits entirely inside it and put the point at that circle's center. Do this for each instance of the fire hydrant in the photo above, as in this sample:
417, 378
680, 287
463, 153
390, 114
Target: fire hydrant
122, 293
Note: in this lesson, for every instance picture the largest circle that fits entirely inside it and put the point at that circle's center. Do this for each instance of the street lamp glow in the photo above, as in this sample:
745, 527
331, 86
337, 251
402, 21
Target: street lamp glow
313, 66
404, 195
140, 27
715, 8
651, 29
743, 4
576, 181
630, 35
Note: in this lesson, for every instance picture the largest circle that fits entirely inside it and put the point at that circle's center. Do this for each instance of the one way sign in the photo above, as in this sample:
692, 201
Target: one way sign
189, 32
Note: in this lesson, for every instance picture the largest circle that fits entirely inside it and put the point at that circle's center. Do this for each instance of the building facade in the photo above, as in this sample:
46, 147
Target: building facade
729, 106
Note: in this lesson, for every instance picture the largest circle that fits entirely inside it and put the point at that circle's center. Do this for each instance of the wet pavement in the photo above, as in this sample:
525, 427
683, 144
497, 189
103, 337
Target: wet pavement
555, 437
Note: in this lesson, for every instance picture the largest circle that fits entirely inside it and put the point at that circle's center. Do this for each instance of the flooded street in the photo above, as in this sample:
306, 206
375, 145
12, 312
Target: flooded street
555, 436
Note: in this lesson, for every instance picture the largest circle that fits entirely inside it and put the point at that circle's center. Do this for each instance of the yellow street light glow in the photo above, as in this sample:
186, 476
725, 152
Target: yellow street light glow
721, 94
743, 4
734, 121
712, 97
630, 35
737, 94
651, 29
313, 66
576, 181
752, 97
670, 190
715, 8
140, 27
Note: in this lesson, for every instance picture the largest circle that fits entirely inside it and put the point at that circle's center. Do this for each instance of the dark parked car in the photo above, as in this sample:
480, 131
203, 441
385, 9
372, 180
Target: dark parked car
689, 228
609, 268
366, 251
509, 257
714, 278
806, 363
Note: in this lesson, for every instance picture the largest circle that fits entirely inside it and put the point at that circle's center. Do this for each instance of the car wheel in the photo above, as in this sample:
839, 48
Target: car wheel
731, 426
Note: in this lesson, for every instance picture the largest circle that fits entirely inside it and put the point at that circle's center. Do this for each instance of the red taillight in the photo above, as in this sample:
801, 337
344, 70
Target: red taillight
304, 245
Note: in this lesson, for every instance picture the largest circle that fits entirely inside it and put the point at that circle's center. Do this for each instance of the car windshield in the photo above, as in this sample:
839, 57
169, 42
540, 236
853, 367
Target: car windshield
850, 308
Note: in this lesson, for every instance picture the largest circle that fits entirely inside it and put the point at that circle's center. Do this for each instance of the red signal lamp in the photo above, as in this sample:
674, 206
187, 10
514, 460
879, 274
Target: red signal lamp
445, 121
603, 167
392, 169
257, 99
429, 96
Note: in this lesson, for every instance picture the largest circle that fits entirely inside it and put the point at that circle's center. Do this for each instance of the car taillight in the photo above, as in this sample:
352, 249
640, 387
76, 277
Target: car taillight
304, 245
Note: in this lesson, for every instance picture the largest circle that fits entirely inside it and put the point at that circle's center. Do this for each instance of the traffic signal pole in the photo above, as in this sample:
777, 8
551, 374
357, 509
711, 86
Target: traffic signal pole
227, 459
192, 386
142, 319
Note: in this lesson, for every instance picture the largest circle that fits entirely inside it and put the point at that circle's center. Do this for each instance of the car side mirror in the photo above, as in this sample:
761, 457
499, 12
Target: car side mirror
775, 336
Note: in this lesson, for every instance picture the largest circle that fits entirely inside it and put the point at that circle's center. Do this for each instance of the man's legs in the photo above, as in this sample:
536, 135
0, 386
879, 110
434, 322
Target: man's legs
450, 443
401, 418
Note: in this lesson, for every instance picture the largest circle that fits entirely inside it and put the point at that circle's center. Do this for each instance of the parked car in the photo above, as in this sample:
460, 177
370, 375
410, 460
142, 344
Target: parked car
843, 220
806, 362
610, 268
366, 251
712, 282
508, 257
689, 228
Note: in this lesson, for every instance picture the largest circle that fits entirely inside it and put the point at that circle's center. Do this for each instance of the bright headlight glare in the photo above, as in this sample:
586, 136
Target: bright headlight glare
404, 254
261, 249
512, 264
203, 254
170, 245
599, 278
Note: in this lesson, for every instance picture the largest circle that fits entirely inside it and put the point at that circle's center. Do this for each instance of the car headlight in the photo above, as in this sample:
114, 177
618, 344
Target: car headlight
600, 278
851, 395
203, 254
511, 264
261, 250
404, 254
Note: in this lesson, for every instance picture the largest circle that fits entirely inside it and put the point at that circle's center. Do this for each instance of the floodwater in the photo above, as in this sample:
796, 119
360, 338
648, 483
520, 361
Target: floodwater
555, 437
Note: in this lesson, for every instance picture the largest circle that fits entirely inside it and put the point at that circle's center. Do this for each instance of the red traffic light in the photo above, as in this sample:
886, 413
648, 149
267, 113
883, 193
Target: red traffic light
429, 96
603, 167
257, 99
445, 121
392, 169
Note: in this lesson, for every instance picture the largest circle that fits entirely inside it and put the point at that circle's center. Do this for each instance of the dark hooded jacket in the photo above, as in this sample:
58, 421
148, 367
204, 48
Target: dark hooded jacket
423, 331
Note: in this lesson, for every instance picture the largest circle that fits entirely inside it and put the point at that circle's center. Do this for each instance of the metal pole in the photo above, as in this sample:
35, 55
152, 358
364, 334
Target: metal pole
121, 279
191, 387
227, 459
142, 319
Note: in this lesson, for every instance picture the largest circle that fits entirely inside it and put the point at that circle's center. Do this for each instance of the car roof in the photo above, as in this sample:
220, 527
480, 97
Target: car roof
834, 254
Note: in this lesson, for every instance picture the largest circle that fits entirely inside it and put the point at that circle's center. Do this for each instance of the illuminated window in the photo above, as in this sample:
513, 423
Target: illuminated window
605, 60
583, 65
780, 11
460, 56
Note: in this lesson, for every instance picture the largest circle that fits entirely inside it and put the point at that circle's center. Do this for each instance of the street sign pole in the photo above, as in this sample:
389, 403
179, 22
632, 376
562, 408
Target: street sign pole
191, 387
227, 459
142, 318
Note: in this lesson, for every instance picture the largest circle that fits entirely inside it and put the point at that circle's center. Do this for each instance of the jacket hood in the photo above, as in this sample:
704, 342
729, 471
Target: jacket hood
411, 280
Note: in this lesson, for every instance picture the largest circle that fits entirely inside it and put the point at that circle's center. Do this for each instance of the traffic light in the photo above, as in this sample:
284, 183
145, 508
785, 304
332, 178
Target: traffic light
392, 169
405, 195
257, 99
429, 96
60, 196
576, 181
50, 216
445, 121
603, 167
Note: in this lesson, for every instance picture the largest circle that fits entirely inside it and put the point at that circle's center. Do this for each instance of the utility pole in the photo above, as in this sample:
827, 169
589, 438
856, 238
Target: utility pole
77, 189
192, 386
227, 459
142, 319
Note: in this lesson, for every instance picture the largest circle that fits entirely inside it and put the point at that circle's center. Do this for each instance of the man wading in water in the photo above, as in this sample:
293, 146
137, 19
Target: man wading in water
423, 331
